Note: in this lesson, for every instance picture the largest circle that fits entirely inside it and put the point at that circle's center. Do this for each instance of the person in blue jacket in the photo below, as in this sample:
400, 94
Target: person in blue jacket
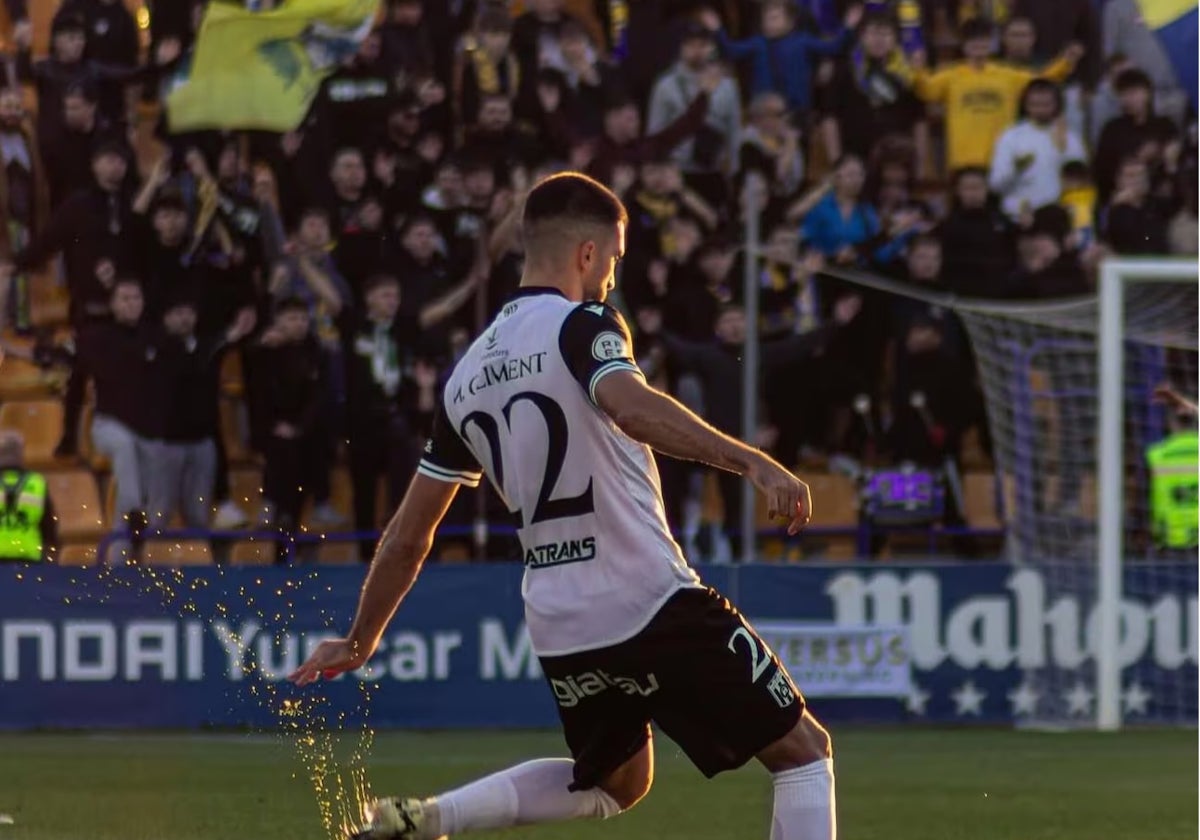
781, 56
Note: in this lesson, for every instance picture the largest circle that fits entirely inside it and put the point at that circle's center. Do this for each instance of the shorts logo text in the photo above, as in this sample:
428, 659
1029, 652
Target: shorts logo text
571, 690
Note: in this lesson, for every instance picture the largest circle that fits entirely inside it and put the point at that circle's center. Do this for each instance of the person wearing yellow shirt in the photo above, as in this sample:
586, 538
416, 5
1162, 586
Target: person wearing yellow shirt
979, 95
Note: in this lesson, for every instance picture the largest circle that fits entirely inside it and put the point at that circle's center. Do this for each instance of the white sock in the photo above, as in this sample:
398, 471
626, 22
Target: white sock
805, 803
533, 792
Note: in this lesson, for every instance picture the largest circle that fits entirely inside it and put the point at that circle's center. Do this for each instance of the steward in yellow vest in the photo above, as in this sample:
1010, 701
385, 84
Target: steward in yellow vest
28, 530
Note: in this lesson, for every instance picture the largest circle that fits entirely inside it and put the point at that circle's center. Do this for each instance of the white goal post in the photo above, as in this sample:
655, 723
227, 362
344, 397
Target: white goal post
1115, 276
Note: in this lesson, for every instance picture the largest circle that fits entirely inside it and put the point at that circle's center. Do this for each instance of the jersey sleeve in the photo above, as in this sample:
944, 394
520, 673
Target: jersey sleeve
447, 457
595, 342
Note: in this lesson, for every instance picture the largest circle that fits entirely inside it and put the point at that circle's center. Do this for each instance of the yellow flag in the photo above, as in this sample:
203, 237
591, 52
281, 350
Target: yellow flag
261, 70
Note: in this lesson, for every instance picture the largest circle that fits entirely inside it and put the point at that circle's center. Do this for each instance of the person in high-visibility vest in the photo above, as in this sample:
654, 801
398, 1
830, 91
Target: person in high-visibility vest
28, 528
1175, 478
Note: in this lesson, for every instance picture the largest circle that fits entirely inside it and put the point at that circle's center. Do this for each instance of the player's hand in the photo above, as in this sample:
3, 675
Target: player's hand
787, 496
332, 657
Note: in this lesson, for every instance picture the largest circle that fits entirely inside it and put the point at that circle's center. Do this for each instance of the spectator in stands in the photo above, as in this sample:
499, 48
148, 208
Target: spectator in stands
494, 138
185, 464
67, 66
1183, 237
167, 269
355, 217
354, 100
718, 363
710, 153
67, 153
91, 231
381, 356
310, 274
410, 48
978, 239
536, 43
590, 83
112, 33
486, 65
781, 55
121, 358
928, 356
846, 229
1018, 37
1137, 131
1079, 199
771, 147
1134, 221
1125, 33
1047, 268
287, 389
1029, 156
871, 95
979, 95
623, 142
28, 526
24, 205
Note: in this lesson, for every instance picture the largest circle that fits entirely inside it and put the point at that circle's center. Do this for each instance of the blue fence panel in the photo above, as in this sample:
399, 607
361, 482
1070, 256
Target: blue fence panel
125, 647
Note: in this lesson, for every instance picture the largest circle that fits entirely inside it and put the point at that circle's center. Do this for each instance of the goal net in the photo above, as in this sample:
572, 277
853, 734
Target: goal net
1097, 491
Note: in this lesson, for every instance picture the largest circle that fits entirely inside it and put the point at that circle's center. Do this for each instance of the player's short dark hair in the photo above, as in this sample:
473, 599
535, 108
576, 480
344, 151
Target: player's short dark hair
571, 198
378, 280
976, 29
1131, 78
290, 303
878, 18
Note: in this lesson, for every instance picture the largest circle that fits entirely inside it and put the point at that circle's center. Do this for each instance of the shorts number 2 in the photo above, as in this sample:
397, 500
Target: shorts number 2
759, 659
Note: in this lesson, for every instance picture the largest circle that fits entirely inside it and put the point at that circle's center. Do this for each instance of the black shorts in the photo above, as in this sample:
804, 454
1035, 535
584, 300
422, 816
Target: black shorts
698, 670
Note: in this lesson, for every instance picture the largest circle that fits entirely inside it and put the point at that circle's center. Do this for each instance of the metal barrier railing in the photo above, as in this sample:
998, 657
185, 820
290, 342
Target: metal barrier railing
287, 544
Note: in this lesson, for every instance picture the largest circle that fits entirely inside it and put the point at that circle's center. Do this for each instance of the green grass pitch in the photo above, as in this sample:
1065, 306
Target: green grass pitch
914, 784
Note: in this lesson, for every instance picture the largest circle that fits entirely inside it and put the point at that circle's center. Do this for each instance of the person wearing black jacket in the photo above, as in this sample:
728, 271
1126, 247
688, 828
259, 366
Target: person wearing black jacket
185, 463
1129, 134
67, 154
67, 66
978, 240
1134, 223
287, 392
121, 357
112, 34
380, 357
90, 230
718, 363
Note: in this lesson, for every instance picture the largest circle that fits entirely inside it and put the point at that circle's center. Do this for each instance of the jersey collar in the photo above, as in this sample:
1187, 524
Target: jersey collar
530, 291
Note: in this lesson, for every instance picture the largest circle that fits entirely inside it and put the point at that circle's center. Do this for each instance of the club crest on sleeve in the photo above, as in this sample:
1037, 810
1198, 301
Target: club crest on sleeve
609, 345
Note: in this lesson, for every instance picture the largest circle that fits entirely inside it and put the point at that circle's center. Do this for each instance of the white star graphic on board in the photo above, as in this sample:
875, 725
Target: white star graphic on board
1134, 699
968, 700
1023, 699
1079, 701
916, 700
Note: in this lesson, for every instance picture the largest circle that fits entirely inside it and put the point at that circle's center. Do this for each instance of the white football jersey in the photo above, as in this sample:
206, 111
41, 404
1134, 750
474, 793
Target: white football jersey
599, 558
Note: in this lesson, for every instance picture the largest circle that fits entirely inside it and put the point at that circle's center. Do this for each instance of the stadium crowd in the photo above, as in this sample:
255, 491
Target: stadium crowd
985, 148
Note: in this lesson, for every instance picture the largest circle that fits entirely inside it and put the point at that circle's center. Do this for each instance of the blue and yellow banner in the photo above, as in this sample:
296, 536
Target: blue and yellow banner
1174, 22
261, 70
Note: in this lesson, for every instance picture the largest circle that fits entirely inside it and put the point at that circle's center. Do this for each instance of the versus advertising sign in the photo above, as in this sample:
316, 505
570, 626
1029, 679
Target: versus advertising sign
832, 661
210, 647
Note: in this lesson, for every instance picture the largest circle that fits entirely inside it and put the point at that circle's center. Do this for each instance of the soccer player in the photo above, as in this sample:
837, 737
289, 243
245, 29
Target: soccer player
549, 404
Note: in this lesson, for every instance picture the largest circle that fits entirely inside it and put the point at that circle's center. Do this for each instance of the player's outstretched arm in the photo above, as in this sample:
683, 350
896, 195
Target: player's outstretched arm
402, 549
663, 424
